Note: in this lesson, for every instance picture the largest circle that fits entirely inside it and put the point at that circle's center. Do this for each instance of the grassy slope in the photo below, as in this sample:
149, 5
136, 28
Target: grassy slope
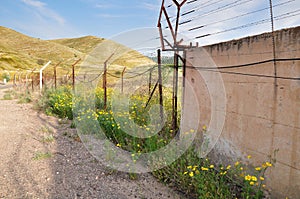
82, 44
18, 51
102, 49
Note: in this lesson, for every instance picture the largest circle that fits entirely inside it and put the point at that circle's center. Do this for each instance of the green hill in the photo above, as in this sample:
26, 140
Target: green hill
18, 51
21, 52
101, 49
82, 44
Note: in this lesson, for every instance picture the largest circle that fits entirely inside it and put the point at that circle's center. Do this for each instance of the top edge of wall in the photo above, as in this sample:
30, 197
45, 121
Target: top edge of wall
255, 38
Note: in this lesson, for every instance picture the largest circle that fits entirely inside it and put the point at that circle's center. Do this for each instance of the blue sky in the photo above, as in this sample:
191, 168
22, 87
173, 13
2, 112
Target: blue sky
50, 19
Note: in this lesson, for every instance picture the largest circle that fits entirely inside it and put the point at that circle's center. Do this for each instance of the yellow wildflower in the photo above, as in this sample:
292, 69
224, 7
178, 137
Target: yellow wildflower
268, 164
189, 167
228, 167
223, 173
249, 156
211, 166
185, 173
248, 177
237, 163
118, 145
261, 178
257, 168
204, 169
191, 174
251, 183
254, 178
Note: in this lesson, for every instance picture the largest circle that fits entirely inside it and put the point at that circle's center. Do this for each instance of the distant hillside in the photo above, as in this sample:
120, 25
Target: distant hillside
18, 51
82, 44
102, 49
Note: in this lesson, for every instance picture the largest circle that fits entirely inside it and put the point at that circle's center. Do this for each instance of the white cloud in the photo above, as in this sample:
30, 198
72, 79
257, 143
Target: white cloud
150, 6
39, 20
103, 6
44, 11
37, 4
109, 16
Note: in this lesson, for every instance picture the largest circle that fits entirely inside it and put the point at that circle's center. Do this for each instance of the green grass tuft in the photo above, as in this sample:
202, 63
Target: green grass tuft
41, 155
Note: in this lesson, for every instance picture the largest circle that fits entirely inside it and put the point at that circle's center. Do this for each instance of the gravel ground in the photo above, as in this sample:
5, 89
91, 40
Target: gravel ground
41, 157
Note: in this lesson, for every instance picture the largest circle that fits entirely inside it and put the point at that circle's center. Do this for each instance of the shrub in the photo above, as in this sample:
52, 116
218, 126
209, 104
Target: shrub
198, 178
58, 102
6, 76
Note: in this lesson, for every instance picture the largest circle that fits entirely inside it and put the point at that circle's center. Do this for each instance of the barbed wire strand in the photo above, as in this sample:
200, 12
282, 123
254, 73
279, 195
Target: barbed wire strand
280, 17
236, 17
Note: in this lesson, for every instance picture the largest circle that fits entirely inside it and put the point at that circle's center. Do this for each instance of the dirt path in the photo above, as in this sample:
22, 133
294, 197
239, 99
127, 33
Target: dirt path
27, 141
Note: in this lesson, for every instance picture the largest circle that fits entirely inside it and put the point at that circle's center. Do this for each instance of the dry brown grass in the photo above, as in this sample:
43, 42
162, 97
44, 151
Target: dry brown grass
18, 51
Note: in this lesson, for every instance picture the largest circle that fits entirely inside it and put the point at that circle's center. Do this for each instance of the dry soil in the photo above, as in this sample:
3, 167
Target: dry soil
41, 157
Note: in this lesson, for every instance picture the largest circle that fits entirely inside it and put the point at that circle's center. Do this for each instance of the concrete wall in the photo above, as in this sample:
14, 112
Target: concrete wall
260, 116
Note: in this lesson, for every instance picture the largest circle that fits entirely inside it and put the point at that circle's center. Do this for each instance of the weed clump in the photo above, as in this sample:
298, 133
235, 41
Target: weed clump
196, 177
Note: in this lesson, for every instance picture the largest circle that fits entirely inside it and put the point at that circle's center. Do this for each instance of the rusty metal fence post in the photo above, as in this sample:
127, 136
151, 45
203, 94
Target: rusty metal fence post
175, 92
105, 85
122, 89
150, 82
105, 80
73, 73
55, 78
73, 77
32, 81
160, 88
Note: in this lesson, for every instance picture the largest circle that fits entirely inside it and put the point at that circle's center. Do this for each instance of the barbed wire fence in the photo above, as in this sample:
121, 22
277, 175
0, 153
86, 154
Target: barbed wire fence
195, 21
53, 77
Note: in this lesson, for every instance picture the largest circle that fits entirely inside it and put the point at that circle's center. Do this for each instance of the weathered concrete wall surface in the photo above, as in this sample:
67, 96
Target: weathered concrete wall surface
262, 113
